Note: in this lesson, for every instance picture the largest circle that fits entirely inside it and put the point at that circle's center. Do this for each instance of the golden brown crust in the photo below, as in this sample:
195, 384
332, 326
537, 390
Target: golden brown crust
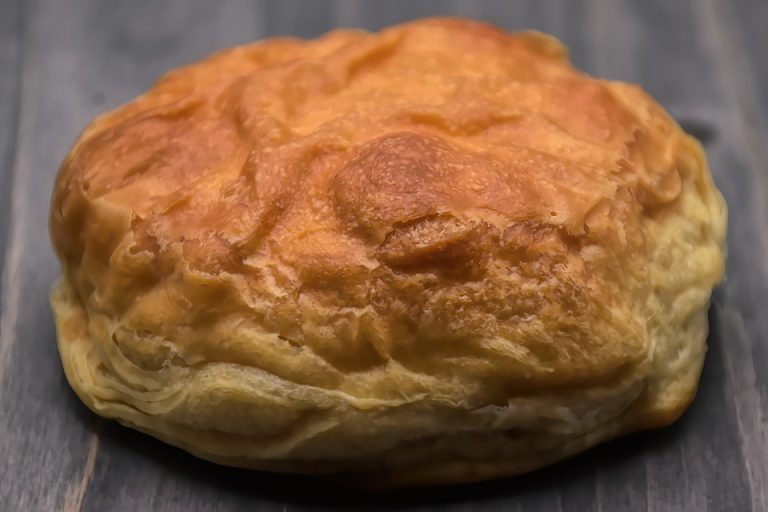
367, 249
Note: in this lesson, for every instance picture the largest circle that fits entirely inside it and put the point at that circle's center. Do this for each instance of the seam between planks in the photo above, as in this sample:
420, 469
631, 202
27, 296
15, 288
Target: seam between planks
75, 497
74, 500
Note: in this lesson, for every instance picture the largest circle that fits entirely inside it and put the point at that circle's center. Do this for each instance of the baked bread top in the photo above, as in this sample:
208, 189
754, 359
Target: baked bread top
441, 211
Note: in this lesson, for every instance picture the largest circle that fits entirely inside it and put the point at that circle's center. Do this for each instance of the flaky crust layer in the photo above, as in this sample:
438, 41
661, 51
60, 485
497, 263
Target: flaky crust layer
435, 253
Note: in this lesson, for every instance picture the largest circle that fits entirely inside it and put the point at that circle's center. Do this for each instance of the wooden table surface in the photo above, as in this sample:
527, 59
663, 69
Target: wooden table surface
64, 61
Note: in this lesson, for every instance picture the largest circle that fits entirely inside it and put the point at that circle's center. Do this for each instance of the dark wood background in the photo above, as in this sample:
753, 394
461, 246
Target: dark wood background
64, 61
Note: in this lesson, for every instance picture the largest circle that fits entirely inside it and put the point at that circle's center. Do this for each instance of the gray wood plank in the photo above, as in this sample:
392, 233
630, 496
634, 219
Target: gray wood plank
10, 92
45, 439
297, 18
748, 20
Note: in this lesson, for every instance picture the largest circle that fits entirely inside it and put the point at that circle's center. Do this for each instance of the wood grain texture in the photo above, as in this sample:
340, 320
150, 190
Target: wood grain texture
64, 61
10, 90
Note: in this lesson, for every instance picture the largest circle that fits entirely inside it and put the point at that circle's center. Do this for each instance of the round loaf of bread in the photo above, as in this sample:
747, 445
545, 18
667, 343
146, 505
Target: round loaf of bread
430, 254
